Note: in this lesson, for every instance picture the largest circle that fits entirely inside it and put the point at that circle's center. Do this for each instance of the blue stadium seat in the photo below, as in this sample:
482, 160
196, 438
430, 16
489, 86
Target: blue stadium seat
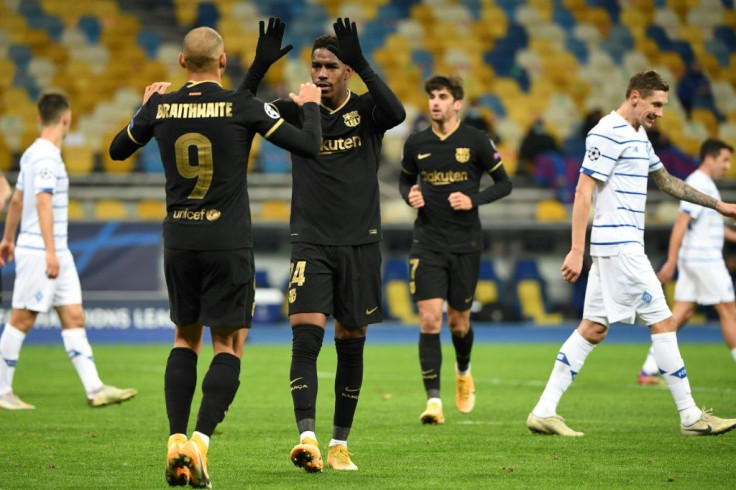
611, 6
659, 36
726, 35
91, 27
564, 18
530, 292
150, 41
54, 26
21, 55
720, 50
30, 8
424, 60
577, 48
149, 158
207, 15
493, 102
272, 159
489, 288
397, 296
685, 51
262, 280
24, 80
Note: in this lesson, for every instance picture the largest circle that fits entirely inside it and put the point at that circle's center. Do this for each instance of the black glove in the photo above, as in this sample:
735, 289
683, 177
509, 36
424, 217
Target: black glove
348, 46
268, 49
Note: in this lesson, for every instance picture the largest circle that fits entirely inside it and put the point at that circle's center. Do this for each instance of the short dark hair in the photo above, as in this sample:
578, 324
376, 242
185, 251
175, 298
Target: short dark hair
712, 147
51, 106
646, 82
323, 41
454, 85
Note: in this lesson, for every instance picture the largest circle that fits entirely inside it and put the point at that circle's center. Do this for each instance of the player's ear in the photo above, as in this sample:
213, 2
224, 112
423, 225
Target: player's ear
348, 72
223, 61
457, 105
182, 61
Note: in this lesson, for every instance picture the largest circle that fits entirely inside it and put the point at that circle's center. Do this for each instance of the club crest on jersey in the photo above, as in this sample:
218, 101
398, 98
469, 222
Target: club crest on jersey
270, 111
352, 119
462, 155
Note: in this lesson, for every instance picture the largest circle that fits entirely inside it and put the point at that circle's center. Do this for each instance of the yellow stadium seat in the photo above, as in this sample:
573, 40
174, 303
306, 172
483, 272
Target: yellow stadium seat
110, 210
79, 160
529, 292
273, 210
150, 210
6, 157
76, 210
550, 210
707, 119
486, 292
398, 301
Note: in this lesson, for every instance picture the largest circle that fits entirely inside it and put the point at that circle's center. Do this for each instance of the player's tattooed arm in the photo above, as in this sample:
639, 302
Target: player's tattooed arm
677, 188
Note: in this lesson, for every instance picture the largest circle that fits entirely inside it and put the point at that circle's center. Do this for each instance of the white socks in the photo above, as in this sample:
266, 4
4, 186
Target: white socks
733, 353
335, 442
11, 341
650, 365
307, 433
667, 355
569, 362
80, 353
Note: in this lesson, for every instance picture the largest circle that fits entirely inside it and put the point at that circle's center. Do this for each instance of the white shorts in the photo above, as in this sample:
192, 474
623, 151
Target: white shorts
704, 284
624, 288
34, 291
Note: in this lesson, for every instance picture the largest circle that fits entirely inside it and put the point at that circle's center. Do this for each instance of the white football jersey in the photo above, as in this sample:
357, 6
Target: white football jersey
620, 159
703, 241
42, 170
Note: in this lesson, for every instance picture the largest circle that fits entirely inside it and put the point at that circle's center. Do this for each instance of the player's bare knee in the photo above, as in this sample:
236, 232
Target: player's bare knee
592, 332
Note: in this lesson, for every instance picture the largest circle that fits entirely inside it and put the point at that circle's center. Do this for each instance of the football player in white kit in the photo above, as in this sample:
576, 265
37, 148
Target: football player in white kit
696, 249
622, 285
45, 272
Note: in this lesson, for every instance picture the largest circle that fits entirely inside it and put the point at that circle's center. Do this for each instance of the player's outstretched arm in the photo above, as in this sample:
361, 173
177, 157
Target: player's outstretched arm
678, 188
678, 233
307, 140
124, 144
389, 110
268, 52
681, 190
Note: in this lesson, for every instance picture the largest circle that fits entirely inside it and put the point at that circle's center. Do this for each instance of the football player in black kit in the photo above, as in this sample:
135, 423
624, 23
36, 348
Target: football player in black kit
449, 158
204, 133
335, 230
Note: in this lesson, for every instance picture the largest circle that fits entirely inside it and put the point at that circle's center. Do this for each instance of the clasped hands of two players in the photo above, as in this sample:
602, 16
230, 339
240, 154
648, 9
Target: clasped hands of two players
458, 201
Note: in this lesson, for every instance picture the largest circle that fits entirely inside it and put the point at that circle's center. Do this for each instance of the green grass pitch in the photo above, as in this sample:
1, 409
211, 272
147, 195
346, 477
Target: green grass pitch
632, 433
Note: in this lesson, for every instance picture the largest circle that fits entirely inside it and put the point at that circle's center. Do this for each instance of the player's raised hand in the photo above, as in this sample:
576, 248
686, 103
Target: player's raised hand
268, 49
348, 48
572, 266
155, 88
416, 199
308, 92
726, 209
460, 202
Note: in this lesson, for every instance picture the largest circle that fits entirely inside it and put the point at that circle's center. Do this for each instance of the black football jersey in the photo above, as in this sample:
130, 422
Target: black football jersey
204, 134
335, 197
443, 165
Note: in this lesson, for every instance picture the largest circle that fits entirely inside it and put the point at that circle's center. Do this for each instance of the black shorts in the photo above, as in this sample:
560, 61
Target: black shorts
449, 276
212, 287
342, 281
